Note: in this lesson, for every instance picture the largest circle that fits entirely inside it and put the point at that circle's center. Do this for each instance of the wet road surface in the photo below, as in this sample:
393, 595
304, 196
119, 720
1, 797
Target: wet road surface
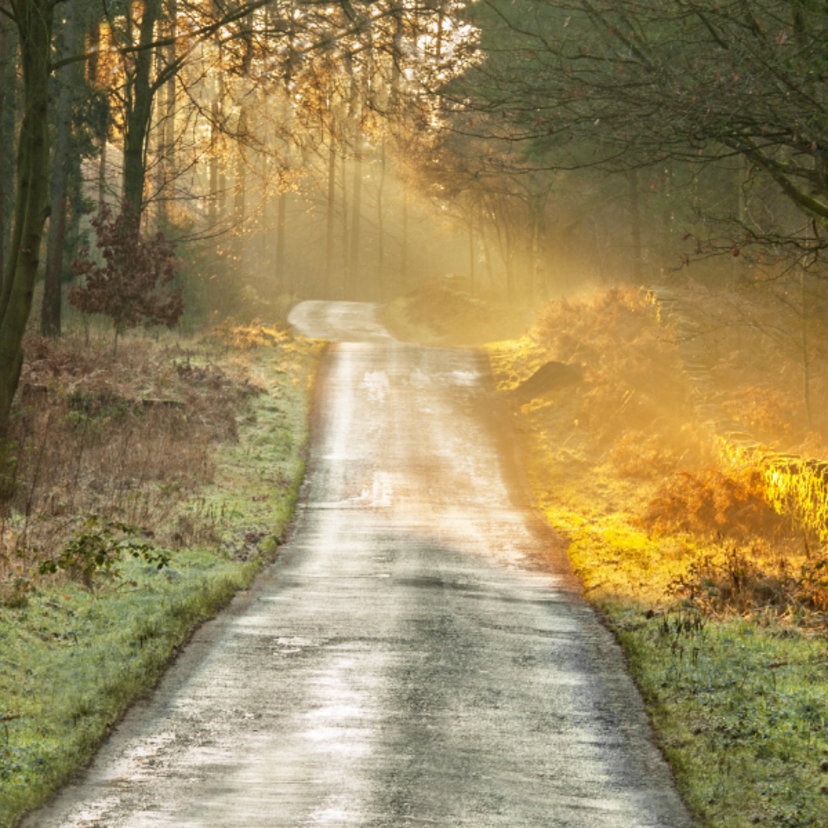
408, 660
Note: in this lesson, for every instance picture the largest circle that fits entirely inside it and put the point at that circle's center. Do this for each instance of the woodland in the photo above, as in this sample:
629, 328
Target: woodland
355, 150
636, 188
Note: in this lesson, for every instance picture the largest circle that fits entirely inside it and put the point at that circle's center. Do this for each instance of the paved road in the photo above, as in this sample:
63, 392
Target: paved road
409, 660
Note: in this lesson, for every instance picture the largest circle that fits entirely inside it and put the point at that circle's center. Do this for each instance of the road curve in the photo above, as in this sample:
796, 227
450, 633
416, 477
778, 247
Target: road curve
408, 660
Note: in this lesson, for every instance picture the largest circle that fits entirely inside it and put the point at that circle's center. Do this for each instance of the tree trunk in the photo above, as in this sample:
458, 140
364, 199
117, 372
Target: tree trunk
280, 240
471, 254
487, 255
381, 226
4, 39
218, 169
635, 225
139, 94
805, 344
50, 312
167, 194
329, 241
240, 193
346, 261
102, 175
404, 250
34, 24
356, 216
213, 203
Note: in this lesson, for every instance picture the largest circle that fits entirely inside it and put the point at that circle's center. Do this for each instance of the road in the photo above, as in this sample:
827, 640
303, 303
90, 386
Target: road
418, 655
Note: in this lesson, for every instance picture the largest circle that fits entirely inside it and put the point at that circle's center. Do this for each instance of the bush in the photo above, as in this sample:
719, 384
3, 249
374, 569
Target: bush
710, 503
132, 286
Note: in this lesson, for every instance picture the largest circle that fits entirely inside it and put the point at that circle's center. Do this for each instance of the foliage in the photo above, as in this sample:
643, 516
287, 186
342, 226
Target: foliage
648, 456
633, 366
739, 712
725, 636
244, 337
73, 662
97, 547
711, 503
630, 86
767, 411
132, 286
444, 312
793, 485
751, 579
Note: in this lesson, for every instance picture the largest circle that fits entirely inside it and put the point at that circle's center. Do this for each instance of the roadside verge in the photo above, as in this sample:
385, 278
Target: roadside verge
78, 647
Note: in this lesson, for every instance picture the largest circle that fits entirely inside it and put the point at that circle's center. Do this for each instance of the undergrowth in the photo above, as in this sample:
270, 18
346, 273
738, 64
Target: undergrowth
140, 492
446, 312
706, 573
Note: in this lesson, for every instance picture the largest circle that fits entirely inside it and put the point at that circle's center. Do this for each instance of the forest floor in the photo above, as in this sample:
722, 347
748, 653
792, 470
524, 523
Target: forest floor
139, 493
718, 601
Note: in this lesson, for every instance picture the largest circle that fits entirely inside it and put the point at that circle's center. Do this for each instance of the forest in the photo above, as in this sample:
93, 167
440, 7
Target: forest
635, 188
358, 150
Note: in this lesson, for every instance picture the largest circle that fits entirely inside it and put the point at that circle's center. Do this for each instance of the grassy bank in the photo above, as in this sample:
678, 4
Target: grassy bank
723, 624
76, 648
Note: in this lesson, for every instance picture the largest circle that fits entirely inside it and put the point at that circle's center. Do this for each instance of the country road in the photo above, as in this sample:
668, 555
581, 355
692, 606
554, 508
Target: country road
418, 654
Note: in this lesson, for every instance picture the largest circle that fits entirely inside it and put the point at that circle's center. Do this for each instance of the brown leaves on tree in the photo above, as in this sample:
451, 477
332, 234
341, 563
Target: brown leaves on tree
132, 285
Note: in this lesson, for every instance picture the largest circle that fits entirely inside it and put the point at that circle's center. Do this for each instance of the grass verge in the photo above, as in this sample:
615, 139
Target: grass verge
73, 657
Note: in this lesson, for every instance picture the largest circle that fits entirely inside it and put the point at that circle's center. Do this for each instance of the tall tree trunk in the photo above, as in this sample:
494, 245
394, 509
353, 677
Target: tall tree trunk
167, 164
537, 213
213, 203
102, 174
381, 225
487, 255
50, 312
218, 181
356, 216
34, 25
635, 225
346, 259
404, 247
240, 192
331, 215
805, 346
471, 253
4, 39
139, 93
280, 240
92, 75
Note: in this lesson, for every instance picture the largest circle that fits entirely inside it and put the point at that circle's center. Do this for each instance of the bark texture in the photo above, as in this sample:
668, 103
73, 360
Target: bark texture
50, 315
34, 23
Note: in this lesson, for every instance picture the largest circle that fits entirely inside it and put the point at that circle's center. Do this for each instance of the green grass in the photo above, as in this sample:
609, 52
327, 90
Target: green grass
71, 661
740, 712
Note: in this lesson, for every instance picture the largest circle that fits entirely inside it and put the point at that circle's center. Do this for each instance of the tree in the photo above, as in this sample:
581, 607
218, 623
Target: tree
4, 40
132, 286
33, 19
50, 318
633, 85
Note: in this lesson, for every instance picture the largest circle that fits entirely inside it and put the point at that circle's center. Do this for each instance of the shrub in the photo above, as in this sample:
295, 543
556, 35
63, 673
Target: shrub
633, 365
132, 286
711, 503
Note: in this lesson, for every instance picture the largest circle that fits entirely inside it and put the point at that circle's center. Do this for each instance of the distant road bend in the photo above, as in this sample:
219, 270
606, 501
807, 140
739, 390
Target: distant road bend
406, 661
